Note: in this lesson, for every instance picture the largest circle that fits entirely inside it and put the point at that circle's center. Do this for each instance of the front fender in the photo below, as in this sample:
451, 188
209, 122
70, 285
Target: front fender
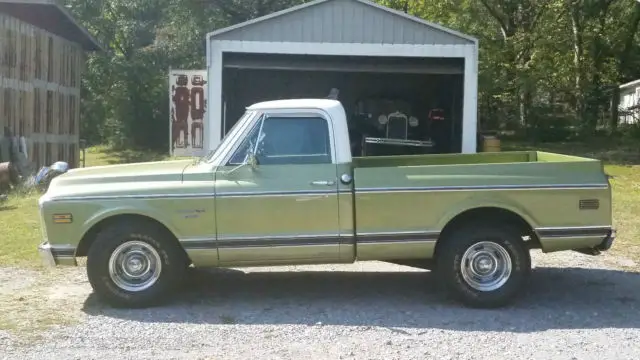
125, 209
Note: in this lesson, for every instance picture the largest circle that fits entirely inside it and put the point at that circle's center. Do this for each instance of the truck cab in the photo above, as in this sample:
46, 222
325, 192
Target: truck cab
285, 180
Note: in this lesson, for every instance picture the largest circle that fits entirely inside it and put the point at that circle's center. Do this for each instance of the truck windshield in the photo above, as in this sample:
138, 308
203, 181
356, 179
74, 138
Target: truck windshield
214, 153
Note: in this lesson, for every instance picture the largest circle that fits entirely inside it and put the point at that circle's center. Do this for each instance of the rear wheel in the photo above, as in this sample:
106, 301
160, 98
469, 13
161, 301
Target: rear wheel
134, 265
484, 266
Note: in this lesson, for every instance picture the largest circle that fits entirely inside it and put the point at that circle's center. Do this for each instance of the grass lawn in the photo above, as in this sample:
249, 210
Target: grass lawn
626, 210
20, 226
20, 231
102, 155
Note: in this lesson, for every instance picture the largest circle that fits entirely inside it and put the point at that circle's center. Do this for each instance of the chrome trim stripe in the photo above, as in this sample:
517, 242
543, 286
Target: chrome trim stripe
284, 237
397, 242
397, 237
481, 187
63, 252
341, 191
307, 240
196, 239
205, 195
398, 233
267, 242
574, 232
142, 196
263, 242
277, 193
198, 244
599, 227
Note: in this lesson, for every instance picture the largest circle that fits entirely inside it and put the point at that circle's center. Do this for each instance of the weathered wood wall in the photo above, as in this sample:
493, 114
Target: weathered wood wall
39, 92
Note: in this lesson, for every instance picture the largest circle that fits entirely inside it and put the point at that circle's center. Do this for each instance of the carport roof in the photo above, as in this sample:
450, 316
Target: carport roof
346, 21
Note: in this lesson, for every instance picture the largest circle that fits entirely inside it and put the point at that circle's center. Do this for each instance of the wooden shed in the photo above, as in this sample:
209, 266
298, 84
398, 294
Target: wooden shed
42, 52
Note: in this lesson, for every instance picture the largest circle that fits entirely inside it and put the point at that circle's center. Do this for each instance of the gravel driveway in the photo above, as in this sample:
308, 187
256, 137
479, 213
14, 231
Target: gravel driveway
586, 309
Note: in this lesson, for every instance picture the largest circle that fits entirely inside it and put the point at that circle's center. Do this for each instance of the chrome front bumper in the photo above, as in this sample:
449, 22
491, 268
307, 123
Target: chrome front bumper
52, 257
46, 255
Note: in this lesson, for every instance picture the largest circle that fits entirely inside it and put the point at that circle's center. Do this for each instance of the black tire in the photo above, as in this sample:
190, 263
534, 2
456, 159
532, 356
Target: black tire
173, 262
449, 267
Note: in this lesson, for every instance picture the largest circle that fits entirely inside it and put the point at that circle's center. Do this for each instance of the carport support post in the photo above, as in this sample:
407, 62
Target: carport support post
214, 82
470, 101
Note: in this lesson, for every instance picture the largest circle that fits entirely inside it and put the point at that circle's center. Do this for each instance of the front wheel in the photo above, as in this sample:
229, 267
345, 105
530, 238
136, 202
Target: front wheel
484, 267
134, 265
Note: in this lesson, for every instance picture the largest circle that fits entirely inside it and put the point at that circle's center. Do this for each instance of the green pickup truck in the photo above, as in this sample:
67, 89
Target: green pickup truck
282, 188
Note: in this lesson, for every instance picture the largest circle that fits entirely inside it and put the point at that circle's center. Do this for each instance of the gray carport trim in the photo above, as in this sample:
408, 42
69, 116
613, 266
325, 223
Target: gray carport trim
337, 66
213, 34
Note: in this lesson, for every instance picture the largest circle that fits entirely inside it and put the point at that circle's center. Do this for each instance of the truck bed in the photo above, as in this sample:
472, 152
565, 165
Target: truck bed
421, 193
506, 169
460, 159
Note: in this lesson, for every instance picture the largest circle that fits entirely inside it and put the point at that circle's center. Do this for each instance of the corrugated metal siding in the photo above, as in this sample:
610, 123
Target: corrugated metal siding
342, 21
629, 98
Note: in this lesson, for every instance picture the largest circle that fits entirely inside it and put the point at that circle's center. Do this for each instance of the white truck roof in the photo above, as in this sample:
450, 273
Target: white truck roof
339, 130
325, 104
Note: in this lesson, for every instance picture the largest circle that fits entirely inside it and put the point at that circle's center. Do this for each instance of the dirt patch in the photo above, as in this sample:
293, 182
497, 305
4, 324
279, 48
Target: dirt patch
14, 280
33, 301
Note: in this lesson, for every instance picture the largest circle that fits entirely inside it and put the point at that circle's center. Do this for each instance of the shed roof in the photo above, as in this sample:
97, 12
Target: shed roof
49, 15
342, 21
631, 84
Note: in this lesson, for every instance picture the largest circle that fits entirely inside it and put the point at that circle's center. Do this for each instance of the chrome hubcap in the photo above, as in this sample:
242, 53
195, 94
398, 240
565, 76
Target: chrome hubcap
486, 266
135, 266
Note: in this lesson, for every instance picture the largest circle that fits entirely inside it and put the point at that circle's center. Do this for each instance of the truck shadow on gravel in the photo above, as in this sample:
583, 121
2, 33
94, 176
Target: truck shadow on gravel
558, 298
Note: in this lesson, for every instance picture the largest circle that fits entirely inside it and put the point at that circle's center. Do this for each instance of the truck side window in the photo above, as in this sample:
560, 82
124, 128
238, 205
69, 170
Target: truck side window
288, 141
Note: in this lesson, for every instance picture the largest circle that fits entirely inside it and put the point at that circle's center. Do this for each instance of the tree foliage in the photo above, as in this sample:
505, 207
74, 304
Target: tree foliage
546, 66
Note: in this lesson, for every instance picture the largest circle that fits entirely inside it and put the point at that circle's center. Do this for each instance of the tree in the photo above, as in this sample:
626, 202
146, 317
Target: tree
545, 65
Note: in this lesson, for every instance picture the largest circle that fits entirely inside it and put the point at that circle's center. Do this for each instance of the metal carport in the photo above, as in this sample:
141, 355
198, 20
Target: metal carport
338, 37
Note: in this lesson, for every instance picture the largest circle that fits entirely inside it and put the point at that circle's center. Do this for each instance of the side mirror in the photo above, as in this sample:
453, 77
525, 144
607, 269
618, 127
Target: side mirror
249, 159
252, 161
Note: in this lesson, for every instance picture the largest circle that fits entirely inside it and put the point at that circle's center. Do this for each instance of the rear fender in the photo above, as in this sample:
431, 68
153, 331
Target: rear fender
483, 202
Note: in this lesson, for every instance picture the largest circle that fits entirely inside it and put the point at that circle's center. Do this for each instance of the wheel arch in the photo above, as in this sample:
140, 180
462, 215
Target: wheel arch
494, 215
90, 235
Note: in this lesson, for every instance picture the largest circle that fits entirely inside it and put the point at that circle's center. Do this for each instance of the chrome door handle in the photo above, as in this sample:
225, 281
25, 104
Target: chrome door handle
323, 182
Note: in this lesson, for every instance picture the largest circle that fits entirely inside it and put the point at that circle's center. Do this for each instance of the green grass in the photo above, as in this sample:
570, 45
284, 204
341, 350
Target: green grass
102, 155
610, 152
20, 227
